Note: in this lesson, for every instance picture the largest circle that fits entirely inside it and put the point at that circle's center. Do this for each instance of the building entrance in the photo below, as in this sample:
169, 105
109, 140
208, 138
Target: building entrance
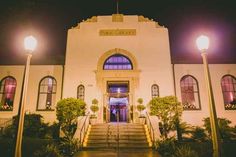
118, 109
118, 101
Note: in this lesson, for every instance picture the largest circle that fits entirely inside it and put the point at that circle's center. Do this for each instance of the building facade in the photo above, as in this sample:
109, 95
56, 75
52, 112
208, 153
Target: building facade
118, 59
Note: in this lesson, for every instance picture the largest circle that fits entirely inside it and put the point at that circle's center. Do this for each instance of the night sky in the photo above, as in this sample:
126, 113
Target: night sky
49, 20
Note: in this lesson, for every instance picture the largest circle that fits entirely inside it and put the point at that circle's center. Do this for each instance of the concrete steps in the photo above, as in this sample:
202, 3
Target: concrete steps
113, 135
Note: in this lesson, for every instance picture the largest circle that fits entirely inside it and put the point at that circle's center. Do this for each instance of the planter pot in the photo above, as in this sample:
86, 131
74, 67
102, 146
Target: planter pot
142, 120
93, 121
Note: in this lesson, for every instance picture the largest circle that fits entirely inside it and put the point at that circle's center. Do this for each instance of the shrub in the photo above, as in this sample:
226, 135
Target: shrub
140, 108
50, 150
67, 111
33, 127
68, 146
199, 134
94, 108
185, 151
140, 100
226, 132
95, 101
185, 130
168, 110
166, 147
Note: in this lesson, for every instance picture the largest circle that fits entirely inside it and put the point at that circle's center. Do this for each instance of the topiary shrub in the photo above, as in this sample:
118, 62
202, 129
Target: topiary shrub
140, 107
94, 108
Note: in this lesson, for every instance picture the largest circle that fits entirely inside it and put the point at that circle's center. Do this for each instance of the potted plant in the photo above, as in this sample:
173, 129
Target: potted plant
140, 108
94, 108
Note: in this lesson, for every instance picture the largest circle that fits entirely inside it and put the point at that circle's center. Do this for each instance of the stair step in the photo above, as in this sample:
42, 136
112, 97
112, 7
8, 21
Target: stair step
120, 137
105, 136
115, 146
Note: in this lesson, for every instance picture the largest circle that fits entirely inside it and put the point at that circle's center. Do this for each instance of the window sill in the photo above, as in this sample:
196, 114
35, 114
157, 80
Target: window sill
45, 110
5, 110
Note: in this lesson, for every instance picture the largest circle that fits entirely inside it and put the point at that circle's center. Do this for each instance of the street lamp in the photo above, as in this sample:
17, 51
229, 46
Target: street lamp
203, 44
30, 44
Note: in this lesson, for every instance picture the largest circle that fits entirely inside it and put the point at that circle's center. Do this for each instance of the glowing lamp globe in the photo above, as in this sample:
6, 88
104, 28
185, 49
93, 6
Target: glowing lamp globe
202, 42
30, 43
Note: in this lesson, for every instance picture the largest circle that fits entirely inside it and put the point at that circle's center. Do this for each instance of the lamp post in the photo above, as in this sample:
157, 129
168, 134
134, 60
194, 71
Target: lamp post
30, 44
203, 44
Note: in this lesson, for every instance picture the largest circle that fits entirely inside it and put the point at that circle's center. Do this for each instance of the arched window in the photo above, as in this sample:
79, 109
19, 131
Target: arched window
47, 93
190, 93
7, 93
228, 85
118, 62
155, 90
80, 92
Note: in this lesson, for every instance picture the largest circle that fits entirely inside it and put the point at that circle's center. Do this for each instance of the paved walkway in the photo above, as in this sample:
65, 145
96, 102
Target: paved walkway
121, 153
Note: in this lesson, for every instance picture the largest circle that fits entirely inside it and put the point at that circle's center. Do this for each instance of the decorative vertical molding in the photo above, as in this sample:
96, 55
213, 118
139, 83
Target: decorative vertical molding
117, 17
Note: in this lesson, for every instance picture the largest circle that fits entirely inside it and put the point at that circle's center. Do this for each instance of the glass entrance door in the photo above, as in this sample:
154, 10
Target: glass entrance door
118, 109
118, 101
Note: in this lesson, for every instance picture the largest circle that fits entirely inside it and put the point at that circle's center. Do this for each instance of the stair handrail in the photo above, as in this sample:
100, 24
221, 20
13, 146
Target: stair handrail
84, 129
150, 128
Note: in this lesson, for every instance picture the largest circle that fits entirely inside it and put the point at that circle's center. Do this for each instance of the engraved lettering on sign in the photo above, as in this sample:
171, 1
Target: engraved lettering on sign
117, 32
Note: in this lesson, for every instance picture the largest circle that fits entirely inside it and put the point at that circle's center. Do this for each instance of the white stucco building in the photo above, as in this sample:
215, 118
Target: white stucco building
118, 59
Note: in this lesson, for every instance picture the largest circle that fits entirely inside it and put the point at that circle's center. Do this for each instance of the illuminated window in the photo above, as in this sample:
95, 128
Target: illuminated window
7, 93
228, 85
80, 92
118, 62
155, 91
47, 93
190, 93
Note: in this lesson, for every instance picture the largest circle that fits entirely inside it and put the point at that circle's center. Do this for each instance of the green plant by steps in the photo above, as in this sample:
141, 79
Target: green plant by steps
140, 107
68, 146
169, 110
94, 108
67, 111
95, 102
166, 147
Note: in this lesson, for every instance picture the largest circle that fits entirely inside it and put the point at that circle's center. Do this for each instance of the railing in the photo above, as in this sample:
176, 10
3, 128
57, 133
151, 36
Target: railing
150, 128
82, 129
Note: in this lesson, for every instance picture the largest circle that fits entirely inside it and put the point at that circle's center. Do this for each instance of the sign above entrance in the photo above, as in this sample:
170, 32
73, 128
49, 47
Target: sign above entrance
117, 32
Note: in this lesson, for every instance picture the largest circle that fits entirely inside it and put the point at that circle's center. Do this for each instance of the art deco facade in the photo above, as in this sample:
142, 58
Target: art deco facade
118, 59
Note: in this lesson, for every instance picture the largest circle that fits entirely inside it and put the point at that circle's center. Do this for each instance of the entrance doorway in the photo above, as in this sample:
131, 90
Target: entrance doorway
118, 101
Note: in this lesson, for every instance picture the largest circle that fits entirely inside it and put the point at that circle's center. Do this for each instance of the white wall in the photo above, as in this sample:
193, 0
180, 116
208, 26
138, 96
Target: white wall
150, 47
217, 71
37, 72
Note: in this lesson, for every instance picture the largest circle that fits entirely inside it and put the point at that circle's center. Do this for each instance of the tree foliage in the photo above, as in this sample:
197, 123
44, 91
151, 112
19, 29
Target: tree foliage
169, 110
67, 111
226, 132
